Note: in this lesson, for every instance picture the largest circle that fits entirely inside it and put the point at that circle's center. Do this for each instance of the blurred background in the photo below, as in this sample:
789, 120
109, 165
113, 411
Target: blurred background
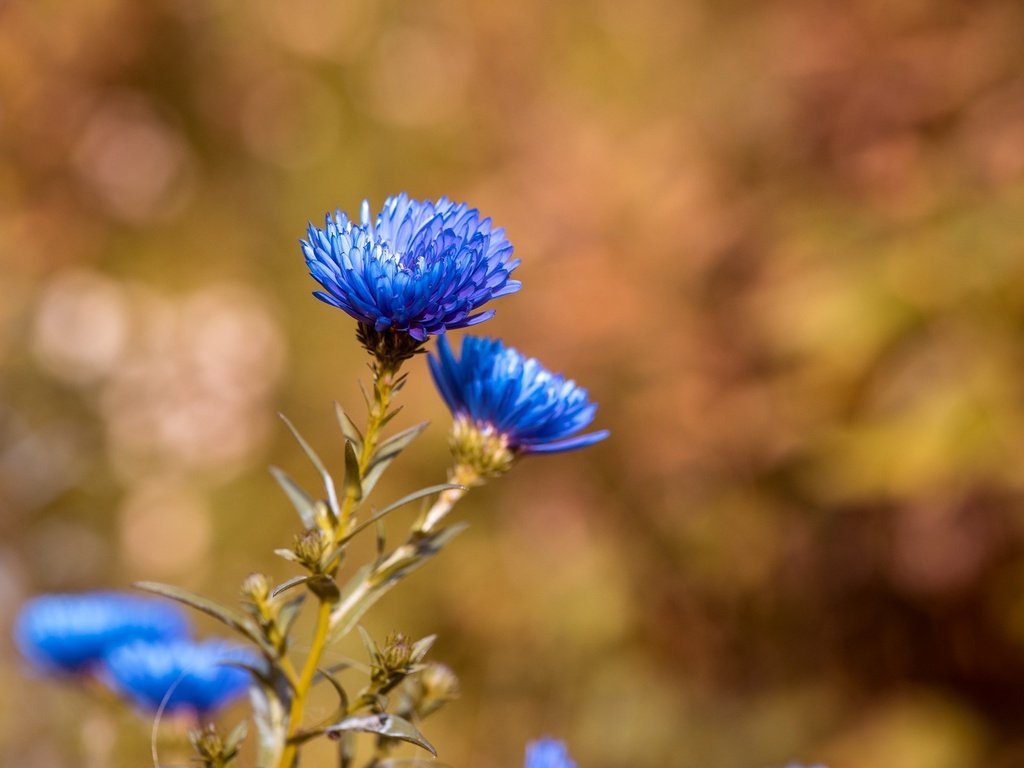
782, 244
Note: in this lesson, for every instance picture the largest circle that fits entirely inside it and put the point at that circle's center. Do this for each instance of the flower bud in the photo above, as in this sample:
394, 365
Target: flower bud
310, 548
479, 448
439, 684
256, 589
397, 654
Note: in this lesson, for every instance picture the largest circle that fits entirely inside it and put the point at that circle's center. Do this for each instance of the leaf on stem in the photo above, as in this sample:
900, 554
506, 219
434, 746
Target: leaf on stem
270, 717
407, 499
332, 496
289, 612
388, 451
342, 696
302, 501
353, 483
223, 614
348, 427
294, 581
389, 725
368, 585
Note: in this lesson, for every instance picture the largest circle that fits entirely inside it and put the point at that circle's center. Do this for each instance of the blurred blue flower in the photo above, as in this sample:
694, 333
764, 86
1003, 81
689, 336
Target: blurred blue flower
69, 633
548, 753
421, 268
534, 410
201, 677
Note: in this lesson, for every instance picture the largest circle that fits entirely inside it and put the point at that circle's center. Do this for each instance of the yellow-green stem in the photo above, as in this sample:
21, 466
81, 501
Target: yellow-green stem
383, 388
323, 617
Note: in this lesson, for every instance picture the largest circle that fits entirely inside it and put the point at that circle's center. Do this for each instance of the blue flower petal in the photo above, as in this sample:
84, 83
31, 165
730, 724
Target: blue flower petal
495, 386
548, 753
201, 677
420, 267
70, 633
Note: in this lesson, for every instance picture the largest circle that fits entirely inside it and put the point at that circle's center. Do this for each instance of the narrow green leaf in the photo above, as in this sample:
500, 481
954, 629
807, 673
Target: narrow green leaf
368, 642
390, 415
421, 647
288, 612
288, 555
223, 614
237, 735
384, 724
353, 484
302, 501
271, 720
423, 550
402, 439
415, 495
332, 496
401, 503
348, 427
342, 695
366, 587
294, 581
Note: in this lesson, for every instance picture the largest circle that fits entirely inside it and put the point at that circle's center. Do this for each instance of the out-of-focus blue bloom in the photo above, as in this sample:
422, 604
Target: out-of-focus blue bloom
548, 753
535, 410
201, 677
69, 633
421, 268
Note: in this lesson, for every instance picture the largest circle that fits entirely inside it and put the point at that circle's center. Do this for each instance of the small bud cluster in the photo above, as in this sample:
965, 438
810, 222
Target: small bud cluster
479, 448
213, 750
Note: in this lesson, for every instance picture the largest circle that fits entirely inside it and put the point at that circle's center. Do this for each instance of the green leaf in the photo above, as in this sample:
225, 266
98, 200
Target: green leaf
237, 735
366, 586
385, 724
226, 616
415, 495
391, 414
398, 443
423, 549
289, 612
288, 555
353, 484
271, 719
348, 427
387, 451
332, 496
294, 581
368, 643
400, 503
342, 696
420, 648
302, 501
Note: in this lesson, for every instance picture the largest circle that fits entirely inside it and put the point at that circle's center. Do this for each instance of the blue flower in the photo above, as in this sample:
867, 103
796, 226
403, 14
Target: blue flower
548, 753
201, 677
499, 390
421, 268
69, 633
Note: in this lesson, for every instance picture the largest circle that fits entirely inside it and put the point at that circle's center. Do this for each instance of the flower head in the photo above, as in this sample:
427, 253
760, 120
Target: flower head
502, 400
192, 676
421, 268
548, 753
69, 633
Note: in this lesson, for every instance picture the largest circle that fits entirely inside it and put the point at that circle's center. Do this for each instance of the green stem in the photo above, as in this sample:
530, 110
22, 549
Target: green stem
384, 379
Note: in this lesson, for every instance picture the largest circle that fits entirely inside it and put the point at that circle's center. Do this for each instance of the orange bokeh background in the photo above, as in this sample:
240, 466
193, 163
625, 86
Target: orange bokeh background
782, 245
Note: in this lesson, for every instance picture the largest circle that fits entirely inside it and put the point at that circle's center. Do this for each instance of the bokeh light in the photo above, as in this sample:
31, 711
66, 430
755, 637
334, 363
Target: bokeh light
780, 245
